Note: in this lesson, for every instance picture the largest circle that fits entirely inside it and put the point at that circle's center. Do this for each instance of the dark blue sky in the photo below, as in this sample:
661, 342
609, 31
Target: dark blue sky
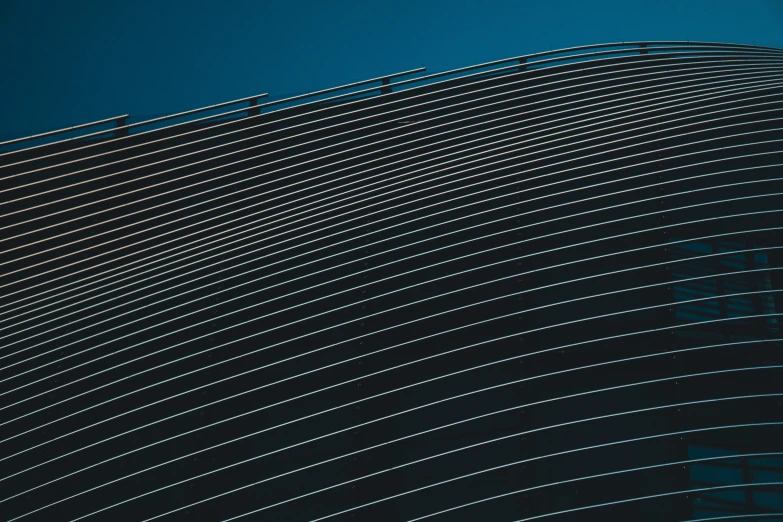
65, 63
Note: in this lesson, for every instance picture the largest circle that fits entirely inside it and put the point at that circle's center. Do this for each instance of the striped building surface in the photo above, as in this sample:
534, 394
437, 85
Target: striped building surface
543, 287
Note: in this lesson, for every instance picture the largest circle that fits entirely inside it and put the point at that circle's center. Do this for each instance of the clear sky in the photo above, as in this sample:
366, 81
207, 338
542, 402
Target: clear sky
69, 62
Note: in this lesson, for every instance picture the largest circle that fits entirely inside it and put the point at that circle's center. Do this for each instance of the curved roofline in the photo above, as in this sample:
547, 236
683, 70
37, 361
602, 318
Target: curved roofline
122, 130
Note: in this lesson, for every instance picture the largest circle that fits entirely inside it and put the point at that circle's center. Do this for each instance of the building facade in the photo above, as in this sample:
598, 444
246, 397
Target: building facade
543, 287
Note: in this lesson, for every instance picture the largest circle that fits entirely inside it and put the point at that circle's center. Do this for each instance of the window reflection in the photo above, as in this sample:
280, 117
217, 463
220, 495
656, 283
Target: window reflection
753, 278
741, 470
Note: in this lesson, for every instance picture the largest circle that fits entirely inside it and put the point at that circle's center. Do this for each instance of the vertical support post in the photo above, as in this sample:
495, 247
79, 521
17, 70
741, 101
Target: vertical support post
747, 478
122, 129
757, 282
386, 89
643, 48
720, 283
522, 62
253, 108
